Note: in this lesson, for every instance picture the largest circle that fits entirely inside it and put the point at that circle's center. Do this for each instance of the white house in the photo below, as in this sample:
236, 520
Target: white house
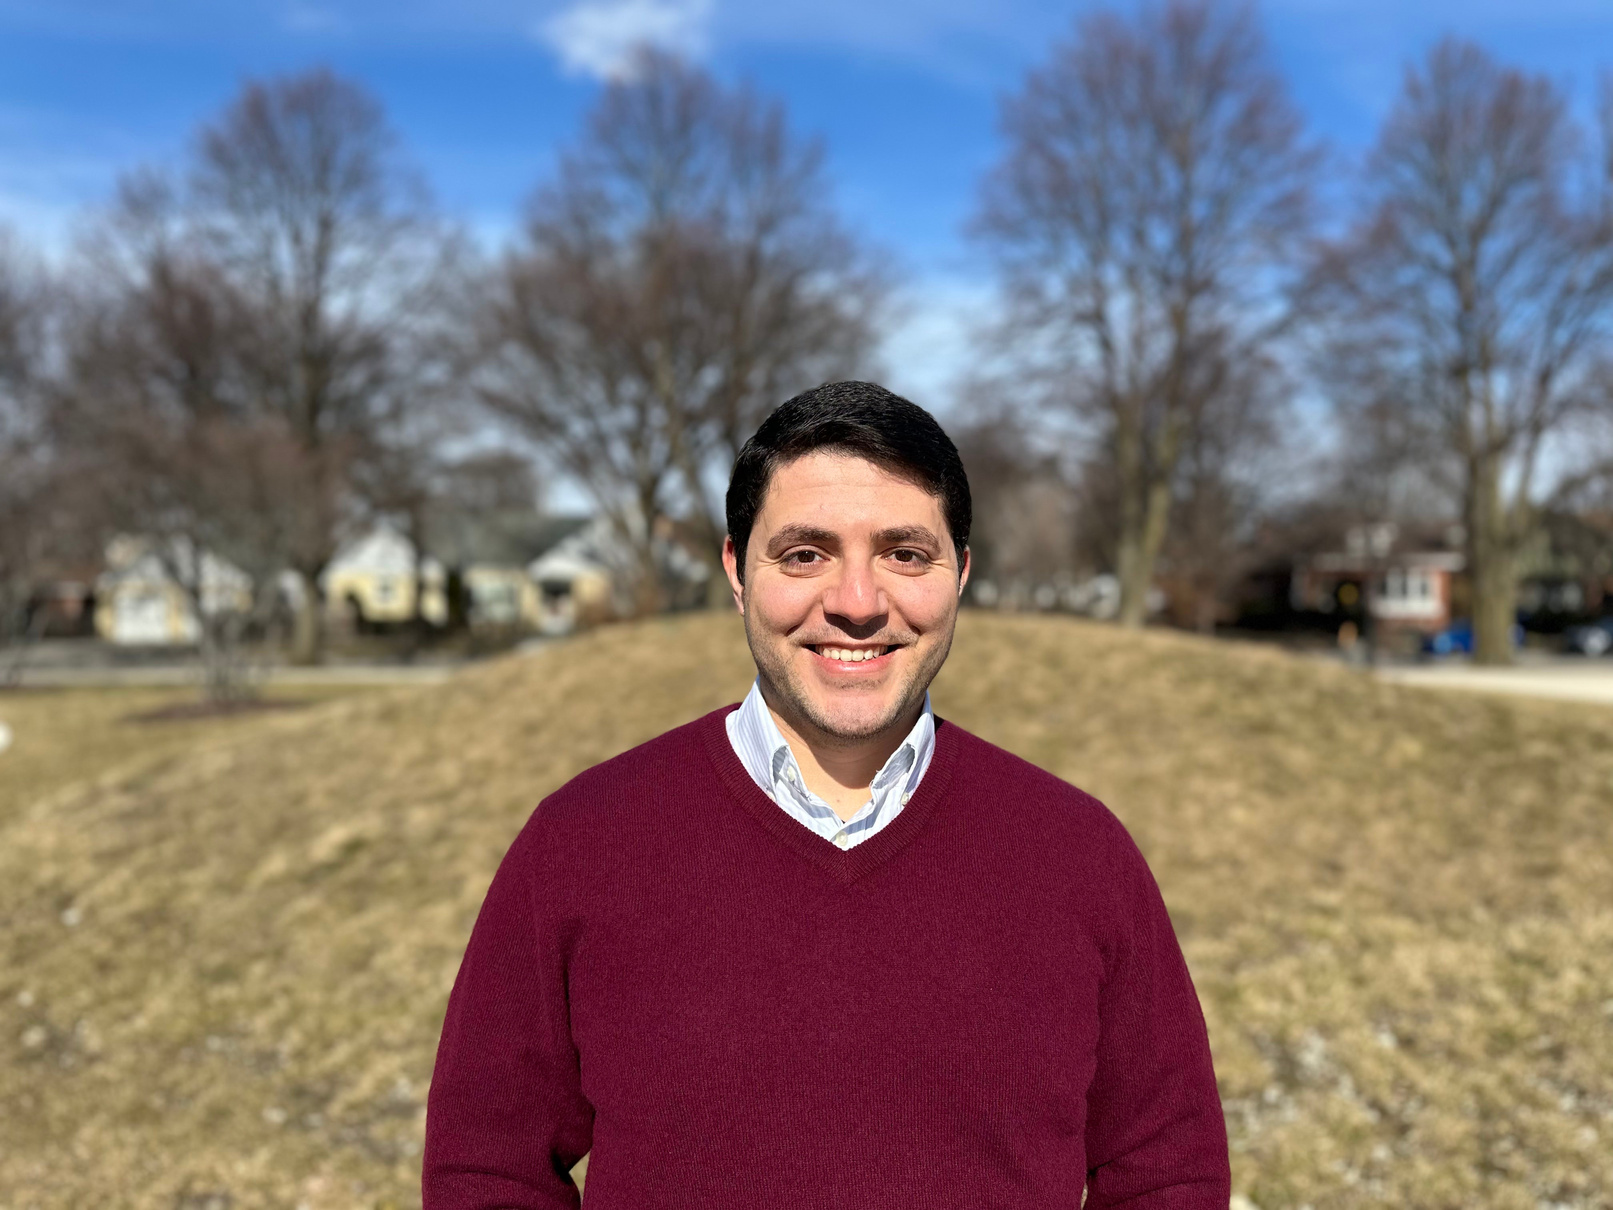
588, 576
138, 603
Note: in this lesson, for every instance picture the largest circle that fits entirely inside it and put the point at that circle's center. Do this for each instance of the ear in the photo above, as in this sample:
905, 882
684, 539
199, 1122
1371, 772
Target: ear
963, 570
730, 565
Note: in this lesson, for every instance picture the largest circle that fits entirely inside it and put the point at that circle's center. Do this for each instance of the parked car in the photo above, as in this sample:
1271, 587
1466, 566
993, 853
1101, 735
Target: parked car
1595, 638
1457, 639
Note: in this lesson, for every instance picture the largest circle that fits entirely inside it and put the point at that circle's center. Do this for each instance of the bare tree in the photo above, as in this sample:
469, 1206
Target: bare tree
24, 472
1025, 505
1473, 299
1222, 488
1155, 190
299, 197
681, 274
491, 481
159, 399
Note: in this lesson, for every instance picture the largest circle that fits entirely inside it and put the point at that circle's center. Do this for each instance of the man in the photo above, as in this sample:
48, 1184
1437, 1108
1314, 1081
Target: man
824, 949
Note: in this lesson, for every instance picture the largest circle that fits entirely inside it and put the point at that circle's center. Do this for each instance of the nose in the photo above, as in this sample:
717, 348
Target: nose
853, 594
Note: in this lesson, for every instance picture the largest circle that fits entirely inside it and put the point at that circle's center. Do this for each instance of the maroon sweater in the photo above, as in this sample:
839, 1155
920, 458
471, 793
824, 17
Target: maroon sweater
981, 1005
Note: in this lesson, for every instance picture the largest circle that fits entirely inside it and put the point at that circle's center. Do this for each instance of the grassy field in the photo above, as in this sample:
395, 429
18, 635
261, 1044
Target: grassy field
222, 972
63, 737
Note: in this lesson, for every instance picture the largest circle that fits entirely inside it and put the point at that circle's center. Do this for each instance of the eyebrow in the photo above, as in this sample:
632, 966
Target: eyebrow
914, 535
790, 535
812, 535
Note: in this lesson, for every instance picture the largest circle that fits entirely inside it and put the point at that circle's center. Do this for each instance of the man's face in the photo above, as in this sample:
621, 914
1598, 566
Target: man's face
850, 594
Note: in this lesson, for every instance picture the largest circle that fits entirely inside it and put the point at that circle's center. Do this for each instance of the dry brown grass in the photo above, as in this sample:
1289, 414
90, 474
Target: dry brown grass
66, 736
222, 976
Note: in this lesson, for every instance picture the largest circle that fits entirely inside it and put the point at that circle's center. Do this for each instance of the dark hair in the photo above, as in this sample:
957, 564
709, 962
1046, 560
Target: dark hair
858, 418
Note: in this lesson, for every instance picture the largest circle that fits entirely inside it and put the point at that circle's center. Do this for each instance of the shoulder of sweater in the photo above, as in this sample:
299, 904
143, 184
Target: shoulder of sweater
593, 812
1042, 800
630, 778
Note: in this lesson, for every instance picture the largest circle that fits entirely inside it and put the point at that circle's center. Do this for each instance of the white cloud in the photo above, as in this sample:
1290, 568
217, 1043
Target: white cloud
600, 37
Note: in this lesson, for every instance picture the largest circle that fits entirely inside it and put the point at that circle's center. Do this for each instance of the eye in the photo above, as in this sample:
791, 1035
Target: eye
802, 558
908, 557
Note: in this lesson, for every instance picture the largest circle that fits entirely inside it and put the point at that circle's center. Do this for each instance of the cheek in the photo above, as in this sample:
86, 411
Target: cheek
780, 602
925, 602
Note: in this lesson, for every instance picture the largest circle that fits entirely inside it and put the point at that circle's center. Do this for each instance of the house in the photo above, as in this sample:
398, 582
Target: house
1402, 580
138, 602
60, 603
504, 570
474, 572
373, 580
589, 575
1565, 574
488, 556
579, 580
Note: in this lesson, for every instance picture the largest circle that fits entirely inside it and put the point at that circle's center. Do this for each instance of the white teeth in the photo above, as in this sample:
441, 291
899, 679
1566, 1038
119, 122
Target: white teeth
851, 655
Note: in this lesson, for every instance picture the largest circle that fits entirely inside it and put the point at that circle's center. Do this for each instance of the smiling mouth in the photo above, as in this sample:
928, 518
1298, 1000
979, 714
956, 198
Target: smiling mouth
851, 655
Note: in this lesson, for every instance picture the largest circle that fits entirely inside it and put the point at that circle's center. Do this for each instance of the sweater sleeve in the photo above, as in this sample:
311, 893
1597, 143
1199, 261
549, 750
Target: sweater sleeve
506, 1119
1155, 1132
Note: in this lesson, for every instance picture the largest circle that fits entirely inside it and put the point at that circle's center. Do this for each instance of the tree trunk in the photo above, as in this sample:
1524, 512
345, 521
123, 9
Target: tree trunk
226, 676
718, 595
1206, 605
416, 638
308, 627
1142, 533
215, 664
648, 597
1490, 564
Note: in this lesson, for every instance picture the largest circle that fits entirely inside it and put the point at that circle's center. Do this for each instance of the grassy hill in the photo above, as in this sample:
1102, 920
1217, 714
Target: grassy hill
222, 972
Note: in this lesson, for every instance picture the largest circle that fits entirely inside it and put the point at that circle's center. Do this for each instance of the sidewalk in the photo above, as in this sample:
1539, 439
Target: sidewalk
81, 663
191, 674
1585, 680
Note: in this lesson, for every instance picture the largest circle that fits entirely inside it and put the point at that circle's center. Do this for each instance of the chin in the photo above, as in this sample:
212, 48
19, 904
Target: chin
854, 716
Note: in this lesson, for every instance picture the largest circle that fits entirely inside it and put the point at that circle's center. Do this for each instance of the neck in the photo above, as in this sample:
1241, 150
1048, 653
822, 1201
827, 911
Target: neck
837, 769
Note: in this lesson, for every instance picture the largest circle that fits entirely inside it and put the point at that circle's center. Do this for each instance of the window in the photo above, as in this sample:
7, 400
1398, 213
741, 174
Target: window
1402, 584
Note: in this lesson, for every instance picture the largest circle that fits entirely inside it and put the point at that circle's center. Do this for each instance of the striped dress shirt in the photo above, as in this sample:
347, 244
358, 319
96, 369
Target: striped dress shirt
766, 755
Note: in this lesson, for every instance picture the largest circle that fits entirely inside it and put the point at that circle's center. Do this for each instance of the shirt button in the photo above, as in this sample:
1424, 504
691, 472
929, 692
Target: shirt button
905, 797
843, 840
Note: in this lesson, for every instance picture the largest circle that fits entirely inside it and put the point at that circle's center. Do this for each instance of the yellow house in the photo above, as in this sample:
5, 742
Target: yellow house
510, 570
372, 581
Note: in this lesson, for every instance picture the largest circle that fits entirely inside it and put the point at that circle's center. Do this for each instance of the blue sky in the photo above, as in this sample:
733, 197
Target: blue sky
482, 91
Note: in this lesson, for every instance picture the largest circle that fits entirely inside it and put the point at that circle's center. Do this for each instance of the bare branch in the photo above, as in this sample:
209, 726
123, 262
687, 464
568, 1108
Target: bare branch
681, 274
1156, 188
1476, 295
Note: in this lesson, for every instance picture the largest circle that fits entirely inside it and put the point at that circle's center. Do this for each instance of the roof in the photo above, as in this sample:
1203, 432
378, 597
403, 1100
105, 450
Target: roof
509, 539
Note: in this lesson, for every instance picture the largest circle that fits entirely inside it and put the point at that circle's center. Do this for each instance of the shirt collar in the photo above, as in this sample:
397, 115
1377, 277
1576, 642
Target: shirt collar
767, 757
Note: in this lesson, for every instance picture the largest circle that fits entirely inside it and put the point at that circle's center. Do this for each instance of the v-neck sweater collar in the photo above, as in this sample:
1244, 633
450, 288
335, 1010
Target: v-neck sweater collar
845, 866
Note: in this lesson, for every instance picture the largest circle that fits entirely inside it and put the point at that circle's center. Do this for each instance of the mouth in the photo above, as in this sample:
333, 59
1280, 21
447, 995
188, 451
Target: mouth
849, 656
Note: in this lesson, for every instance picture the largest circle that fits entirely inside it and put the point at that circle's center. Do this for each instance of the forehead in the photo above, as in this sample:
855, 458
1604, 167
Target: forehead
830, 486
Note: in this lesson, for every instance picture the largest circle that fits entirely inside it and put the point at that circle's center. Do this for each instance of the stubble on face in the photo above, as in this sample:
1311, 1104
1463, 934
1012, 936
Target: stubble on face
785, 691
